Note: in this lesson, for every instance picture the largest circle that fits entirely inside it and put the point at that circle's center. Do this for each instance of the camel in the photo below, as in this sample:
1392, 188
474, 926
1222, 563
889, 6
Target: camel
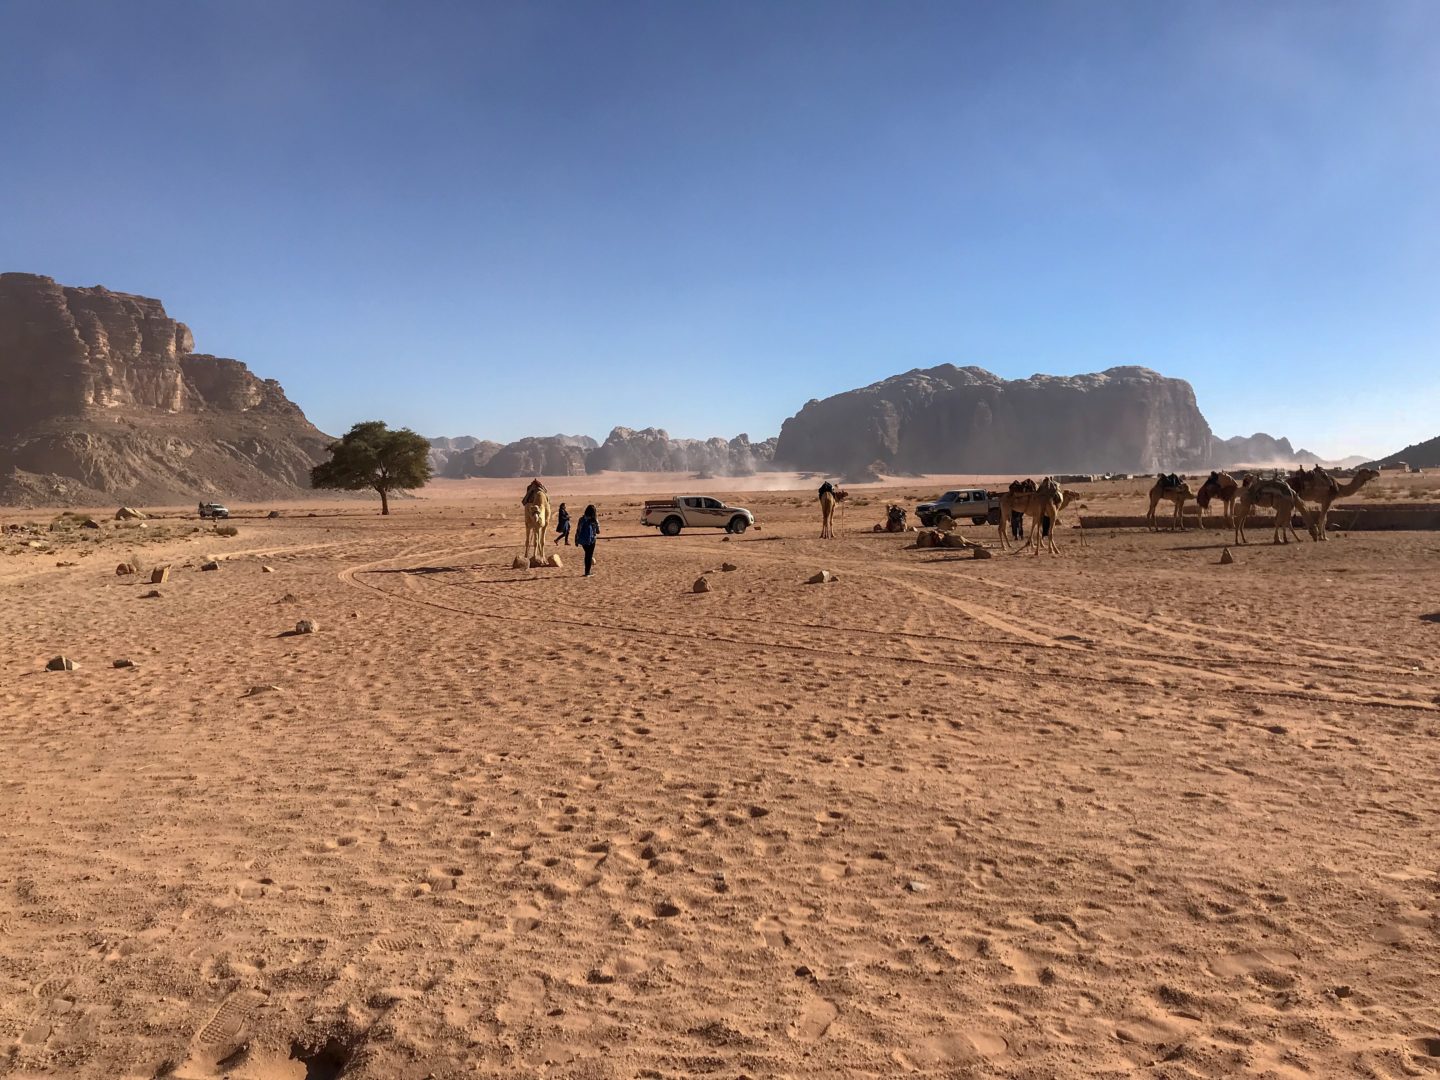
1280, 497
1046, 502
828, 501
1319, 487
537, 518
1177, 493
1222, 486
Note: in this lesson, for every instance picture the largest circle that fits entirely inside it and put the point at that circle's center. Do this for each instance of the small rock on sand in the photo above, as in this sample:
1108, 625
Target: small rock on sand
982, 553
267, 569
727, 567
160, 575
61, 663
125, 568
273, 514
153, 594
536, 562
122, 662
823, 577
1226, 558
702, 584
518, 563
127, 514
306, 626
553, 560
211, 565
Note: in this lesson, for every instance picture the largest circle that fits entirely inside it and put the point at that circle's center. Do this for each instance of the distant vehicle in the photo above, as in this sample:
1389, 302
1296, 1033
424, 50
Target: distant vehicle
694, 512
977, 504
214, 510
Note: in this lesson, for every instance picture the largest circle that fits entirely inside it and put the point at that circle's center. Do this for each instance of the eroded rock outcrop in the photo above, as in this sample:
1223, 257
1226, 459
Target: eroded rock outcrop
546, 455
952, 419
105, 399
1258, 449
653, 450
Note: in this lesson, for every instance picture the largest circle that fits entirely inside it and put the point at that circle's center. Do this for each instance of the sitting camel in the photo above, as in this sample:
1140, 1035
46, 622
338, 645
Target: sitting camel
537, 518
1319, 487
1177, 493
1280, 497
830, 497
1222, 486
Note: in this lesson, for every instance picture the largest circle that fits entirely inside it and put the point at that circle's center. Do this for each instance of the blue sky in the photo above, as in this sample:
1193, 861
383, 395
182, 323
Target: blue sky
521, 218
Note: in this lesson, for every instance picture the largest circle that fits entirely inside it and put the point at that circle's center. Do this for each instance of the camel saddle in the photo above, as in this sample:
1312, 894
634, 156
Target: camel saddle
1169, 481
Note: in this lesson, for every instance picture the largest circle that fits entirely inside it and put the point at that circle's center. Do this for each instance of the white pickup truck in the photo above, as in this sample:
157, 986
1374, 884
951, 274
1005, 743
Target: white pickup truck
694, 512
977, 504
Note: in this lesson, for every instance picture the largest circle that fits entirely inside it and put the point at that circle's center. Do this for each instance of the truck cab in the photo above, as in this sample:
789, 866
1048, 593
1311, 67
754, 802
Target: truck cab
973, 503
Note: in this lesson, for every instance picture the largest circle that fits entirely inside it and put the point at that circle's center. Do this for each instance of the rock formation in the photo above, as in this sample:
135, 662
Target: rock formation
105, 400
1258, 449
951, 419
549, 455
1422, 455
455, 459
653, 450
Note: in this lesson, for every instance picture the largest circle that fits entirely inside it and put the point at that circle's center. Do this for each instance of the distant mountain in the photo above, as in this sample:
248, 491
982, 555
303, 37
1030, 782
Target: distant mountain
952, 419
1258, 449
653, 450
1425, 455
103, 398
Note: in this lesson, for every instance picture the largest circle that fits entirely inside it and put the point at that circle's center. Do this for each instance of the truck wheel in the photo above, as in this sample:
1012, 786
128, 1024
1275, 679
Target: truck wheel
978, 521
671, 526
737, 525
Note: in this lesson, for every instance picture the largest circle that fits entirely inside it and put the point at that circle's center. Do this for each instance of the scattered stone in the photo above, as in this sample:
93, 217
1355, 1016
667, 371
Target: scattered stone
273, 514
518, 563
1342, 991
61, 663
211, 565
267, 569
90, 523
62, 562
983, 553
727, 567
536, 562
127, 514
702, 584
917, 886
153, 594
35, 544
553, 560
160, 575
306, 626
823, 577
288, 598
1226, 558
803, 972
265, 689
122, 663
125, 569
724, 539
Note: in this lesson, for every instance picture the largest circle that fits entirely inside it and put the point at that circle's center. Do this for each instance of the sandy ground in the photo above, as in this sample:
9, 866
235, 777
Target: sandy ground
1125, 812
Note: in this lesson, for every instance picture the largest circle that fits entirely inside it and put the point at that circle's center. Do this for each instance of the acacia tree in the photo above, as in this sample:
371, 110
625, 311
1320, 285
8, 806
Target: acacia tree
370, 455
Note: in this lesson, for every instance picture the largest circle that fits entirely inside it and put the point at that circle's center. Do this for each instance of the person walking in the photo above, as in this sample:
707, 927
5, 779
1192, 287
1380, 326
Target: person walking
586, 533
562, 525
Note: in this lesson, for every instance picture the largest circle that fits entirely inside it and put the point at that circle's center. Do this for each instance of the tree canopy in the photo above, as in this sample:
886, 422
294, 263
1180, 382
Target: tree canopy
370, 455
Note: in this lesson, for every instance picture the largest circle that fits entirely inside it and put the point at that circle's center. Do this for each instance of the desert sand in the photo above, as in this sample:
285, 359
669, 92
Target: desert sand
1123, 812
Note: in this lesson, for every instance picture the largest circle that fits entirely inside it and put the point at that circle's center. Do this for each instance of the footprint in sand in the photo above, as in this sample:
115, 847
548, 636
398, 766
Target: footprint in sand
952, 1048
524, 1000
814, 1020
1250, 961
229, 1027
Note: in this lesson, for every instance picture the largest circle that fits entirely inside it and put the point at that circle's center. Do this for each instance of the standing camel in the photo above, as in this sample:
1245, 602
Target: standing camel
1280, 497
829, 499
1222, 486
1177, 493
537, 518
1043, 512
1319, 487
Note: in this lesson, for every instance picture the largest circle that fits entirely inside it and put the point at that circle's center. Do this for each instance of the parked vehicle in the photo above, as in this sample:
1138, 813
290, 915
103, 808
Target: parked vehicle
694, 512
216, 511
977, 504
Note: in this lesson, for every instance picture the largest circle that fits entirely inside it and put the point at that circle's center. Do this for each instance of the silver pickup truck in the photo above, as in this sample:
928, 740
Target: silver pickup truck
694, 512
977, 504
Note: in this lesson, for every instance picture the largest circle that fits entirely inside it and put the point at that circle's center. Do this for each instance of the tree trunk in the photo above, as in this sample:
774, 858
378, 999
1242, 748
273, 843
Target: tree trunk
384, 500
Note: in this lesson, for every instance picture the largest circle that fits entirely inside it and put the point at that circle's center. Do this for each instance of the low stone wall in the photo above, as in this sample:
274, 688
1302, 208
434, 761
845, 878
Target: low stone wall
1344, 517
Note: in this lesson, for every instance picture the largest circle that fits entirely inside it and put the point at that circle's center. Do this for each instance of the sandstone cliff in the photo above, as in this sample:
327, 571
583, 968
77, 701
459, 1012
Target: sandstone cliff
548, 455
653, 450
1258, 449
951, 419
105, 400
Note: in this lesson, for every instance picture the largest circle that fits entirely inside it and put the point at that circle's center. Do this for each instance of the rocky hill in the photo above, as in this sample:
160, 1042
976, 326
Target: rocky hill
105, 400
1258, 449
952, 419
653, 450
1424, 455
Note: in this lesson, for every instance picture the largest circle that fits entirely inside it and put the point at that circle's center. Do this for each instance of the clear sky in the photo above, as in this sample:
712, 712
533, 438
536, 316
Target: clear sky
522, 218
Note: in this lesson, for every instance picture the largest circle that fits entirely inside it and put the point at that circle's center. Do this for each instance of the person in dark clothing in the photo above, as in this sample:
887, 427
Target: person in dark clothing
586, 533
562, 525
1017, 524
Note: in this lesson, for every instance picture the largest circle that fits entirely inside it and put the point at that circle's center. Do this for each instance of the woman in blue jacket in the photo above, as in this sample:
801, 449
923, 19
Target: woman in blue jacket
586, 533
